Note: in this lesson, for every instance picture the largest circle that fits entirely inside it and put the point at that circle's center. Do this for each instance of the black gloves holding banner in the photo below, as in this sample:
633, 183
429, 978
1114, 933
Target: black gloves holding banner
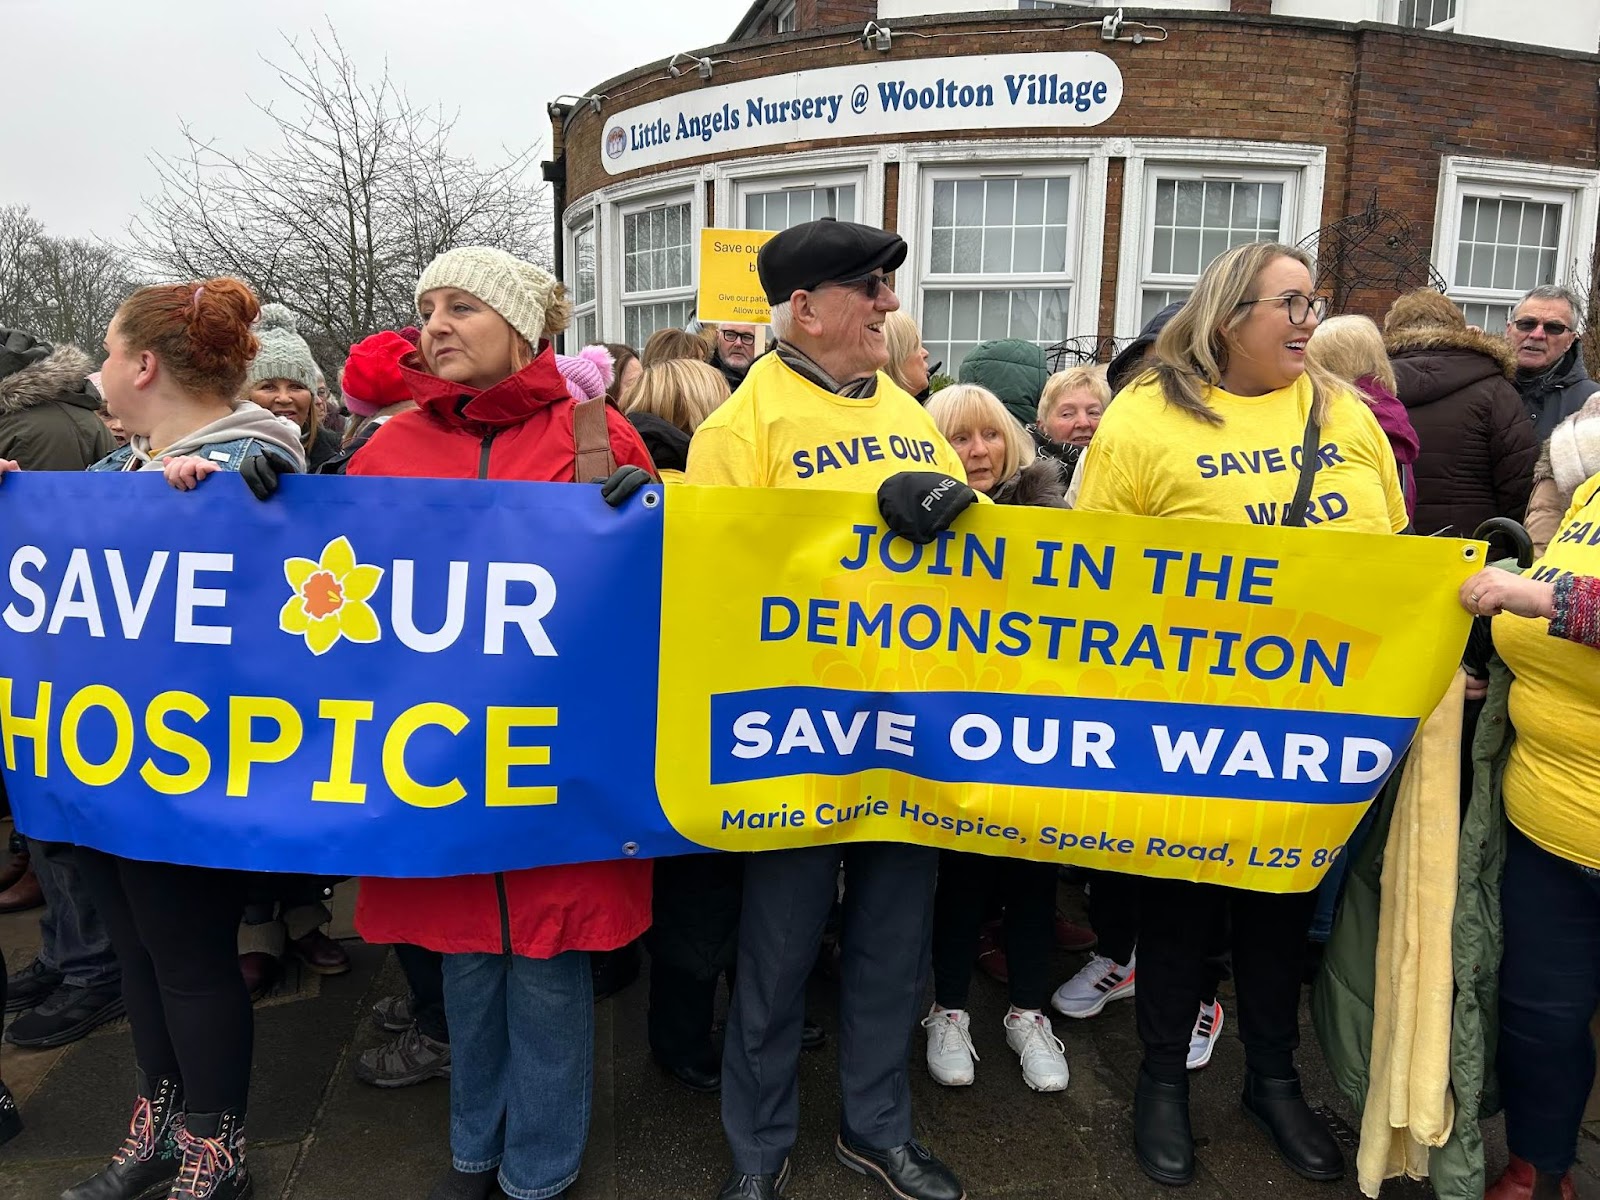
622, 483
920, 505
260, 475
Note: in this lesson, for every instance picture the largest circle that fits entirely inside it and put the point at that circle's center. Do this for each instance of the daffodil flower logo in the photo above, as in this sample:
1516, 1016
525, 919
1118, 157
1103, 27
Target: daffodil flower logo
330, 598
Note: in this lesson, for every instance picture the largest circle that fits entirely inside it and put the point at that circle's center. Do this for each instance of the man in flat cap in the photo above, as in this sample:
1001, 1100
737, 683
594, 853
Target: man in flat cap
819, 412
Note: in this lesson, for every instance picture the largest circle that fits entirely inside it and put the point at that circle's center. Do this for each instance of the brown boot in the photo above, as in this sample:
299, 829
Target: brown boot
13, 862
22, 895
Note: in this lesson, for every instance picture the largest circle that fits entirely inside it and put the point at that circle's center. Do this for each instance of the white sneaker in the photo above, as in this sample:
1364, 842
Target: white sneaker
1099, 983
950, 1050
1204, 1038
1044, 1058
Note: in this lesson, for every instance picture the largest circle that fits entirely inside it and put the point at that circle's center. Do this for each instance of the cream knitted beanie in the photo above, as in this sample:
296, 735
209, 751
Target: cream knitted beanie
519, 291
283, 354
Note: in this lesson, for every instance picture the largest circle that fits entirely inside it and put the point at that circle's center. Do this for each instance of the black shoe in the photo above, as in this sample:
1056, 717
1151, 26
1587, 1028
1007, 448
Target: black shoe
463, 1185
64, 1016
1301, 1137
147, 1162
694, 1076
813, 1036
30, 985
213, 1159
909, 1170
10, 1118
755, 1187
1162, 1141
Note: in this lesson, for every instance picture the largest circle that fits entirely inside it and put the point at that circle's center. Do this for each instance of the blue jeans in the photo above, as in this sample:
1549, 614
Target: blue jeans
521, 1067
1549, 989
72, 937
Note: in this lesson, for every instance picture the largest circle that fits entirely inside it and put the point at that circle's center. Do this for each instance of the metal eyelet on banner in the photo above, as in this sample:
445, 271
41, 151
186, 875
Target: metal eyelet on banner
1469, 552
651, 499
630, 849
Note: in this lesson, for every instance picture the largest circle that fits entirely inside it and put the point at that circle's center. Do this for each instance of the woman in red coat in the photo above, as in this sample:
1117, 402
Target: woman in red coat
492, 405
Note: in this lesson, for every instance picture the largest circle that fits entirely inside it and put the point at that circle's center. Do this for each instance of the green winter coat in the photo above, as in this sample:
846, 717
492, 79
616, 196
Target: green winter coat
47, 415
1013, 370
1341, 1003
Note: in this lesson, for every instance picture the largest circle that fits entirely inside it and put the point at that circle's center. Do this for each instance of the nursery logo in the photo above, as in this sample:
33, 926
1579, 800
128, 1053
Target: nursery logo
616, 141
329, 597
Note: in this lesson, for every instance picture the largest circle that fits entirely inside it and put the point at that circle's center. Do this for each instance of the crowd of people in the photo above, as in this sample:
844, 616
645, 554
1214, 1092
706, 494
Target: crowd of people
1436, 427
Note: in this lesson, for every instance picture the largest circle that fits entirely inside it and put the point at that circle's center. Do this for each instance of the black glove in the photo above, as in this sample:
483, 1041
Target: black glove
19, 349
920, 505
260, 475
624, 482
1480, 647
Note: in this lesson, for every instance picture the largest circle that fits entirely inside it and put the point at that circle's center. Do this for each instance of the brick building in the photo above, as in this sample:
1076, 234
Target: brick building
1062, 170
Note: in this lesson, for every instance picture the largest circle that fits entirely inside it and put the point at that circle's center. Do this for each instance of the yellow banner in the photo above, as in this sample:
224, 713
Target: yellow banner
730, 290
1205, 701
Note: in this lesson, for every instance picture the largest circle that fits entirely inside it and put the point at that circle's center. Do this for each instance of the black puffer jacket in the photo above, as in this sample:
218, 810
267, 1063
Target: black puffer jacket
1554, 395
1478, 446
668, 445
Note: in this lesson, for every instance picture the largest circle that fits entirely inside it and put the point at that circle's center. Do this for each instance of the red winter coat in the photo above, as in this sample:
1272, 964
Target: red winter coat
519, 429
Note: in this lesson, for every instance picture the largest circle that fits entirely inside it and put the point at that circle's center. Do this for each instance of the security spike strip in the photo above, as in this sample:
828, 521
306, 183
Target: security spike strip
1373, 250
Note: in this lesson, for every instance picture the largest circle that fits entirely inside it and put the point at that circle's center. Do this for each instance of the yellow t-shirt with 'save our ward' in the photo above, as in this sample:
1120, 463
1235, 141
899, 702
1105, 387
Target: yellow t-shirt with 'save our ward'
1155, 460
781, 430
1552, 780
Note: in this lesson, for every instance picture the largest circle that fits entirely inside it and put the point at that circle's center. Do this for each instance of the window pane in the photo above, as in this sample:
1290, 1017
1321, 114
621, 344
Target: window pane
1198, 219
583, 269
1001, 226
639, 321
791, 206
1505, 246
656, 250
1155, 299
976, 315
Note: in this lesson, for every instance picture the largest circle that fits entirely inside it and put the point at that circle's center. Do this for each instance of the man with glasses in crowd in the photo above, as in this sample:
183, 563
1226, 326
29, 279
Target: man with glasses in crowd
734, 348
819, 412
1543, 333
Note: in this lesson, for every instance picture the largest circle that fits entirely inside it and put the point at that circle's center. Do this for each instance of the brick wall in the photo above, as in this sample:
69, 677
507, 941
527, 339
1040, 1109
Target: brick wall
1386, 104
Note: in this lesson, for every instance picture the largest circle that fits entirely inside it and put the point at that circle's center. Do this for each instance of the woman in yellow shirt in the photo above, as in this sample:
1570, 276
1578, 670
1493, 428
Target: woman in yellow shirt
1215, 430
1547, 629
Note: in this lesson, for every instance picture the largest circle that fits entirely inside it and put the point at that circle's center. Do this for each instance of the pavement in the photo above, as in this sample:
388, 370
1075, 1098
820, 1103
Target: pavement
317, 1134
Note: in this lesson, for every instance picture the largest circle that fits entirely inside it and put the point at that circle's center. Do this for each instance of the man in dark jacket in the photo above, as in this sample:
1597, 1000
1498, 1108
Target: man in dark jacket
734, 348
1543, 334
1478, 447
48, 422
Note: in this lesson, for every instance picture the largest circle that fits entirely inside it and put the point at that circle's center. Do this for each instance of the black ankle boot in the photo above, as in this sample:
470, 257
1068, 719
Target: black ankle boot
465, 1185
1279, 1107
146, 1163
10, 1118
1162, 1141
213, 1159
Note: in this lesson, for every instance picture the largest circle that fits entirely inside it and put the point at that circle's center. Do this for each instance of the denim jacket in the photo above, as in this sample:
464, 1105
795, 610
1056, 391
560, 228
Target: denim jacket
229, 456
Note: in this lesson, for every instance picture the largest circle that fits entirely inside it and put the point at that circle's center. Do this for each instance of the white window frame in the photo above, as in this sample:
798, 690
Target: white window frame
1301, 169
732, 181
620, 200
1577, 192
1083, 159
578, 218
783, 17
1449, 25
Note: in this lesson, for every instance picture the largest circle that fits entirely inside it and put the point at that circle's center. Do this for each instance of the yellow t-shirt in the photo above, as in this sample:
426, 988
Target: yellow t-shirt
781, 430
1552, 782
1155, 460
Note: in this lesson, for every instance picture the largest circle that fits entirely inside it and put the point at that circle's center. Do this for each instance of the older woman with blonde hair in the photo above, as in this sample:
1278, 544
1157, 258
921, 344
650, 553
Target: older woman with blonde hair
908, 357
1231, 376
1000, 462
667, 405
1351, 348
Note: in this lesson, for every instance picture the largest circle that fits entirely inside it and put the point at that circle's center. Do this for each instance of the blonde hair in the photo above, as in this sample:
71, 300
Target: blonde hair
681, 391
966, 407
666, 345
903, 337
1350, 348
1189, 354
1073, 379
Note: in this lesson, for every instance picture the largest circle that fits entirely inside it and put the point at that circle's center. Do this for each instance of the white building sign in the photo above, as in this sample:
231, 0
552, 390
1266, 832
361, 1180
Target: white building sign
876, 99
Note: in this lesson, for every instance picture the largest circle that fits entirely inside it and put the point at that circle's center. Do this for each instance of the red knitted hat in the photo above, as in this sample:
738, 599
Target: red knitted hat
371, 378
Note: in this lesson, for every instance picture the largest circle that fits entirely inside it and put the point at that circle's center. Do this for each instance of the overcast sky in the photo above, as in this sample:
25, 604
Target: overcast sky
95, 87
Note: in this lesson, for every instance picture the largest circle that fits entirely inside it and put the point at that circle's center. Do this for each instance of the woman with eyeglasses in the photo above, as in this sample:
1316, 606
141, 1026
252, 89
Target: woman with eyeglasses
1212, 430
1478, 447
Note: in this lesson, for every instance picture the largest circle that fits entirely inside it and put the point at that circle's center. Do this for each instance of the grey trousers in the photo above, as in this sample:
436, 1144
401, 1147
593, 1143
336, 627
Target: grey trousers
885, 945
72, 937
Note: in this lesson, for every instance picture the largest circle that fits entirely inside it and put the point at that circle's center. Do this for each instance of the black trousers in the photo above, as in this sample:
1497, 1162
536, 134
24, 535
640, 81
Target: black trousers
1114, 913
1177, 930
887, 919
175, 933
1027, 890
693, 942
424, 972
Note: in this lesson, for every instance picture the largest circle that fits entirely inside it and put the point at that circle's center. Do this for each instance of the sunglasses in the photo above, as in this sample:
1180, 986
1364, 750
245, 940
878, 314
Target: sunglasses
1529, 324
868, 285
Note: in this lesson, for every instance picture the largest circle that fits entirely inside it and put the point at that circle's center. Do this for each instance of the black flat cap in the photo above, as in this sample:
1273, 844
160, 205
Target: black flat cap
807, 256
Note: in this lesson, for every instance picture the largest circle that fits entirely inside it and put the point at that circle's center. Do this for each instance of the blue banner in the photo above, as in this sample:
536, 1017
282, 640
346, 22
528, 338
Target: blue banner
383, 677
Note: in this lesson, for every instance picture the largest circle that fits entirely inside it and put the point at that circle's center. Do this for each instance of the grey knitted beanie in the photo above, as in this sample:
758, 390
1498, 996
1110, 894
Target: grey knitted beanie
283, 354
517, 290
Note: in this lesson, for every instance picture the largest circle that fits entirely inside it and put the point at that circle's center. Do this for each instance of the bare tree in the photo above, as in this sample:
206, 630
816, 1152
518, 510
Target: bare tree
60, 289
338, 219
